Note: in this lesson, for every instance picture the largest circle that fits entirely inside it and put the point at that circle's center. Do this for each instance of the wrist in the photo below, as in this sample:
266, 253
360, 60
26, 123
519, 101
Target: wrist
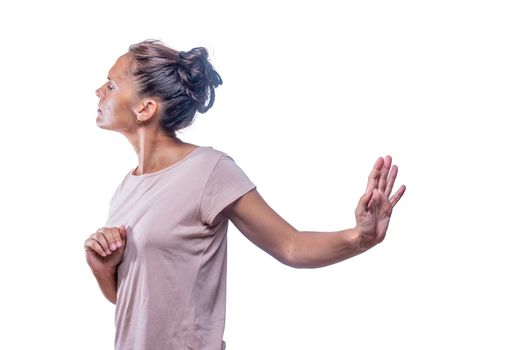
365, 242
107, 272
354, 240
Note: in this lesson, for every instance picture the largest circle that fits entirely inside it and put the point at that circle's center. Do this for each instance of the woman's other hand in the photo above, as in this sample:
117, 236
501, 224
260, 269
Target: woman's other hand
105, 248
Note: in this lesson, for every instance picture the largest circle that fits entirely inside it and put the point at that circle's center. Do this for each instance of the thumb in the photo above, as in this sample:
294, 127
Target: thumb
364, 200
123, 232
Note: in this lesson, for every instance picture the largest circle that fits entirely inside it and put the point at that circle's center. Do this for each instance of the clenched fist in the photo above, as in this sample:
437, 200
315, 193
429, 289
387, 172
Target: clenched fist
105, 248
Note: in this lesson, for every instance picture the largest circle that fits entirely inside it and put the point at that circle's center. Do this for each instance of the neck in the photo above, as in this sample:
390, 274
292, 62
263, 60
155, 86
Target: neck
155, 150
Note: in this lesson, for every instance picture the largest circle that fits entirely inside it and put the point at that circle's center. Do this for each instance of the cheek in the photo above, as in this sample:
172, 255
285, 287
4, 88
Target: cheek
113, 105
121, 109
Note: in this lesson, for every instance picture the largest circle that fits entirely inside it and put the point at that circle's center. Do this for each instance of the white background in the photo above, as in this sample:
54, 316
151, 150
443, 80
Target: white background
313, 94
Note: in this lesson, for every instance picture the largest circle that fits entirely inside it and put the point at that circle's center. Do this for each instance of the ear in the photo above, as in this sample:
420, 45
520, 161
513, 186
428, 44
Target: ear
146, 109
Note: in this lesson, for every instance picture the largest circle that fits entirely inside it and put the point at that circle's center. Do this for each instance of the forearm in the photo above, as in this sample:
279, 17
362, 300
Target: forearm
107, 283
317, 249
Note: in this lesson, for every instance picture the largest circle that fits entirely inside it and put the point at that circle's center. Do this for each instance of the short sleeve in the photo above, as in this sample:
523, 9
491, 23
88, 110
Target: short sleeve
226, 183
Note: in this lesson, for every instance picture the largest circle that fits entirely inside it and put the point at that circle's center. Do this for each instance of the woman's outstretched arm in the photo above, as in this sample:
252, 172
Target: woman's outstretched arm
306, 249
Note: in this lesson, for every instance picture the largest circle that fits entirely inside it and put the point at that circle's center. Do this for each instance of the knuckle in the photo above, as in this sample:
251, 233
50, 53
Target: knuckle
101, 241
108, 235
115, 232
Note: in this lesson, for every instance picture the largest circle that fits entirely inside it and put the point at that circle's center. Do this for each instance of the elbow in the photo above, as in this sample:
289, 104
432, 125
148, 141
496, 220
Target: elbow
294, 256
290, 261
294, 263
287, 259
289, 255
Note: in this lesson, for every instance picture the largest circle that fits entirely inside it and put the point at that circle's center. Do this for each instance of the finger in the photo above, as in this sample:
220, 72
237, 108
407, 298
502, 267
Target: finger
364, 201
366, 198
396, 197
391, 180
101, 239
374, 197
123, 233
118, 237
91, 244
112, 235
374, 175
384, 174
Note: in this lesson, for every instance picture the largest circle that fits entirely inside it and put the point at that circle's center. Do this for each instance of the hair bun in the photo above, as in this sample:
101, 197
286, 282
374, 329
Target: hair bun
195, 54
198, 76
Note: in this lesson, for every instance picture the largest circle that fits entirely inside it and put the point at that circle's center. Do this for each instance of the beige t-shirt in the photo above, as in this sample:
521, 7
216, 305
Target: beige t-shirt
171, 289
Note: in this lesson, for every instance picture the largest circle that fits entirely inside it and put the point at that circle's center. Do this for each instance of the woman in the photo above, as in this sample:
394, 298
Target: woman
161, 257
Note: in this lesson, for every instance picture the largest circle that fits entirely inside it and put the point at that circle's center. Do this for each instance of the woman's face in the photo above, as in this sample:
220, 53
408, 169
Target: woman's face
118, 98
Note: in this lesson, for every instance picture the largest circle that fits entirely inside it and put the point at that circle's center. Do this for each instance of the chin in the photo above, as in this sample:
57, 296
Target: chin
100, 123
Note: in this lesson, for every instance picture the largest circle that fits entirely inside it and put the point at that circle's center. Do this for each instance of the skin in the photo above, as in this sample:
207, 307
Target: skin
121, 109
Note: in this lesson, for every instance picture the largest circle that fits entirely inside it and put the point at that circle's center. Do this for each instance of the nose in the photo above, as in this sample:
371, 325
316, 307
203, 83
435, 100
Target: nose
99, 93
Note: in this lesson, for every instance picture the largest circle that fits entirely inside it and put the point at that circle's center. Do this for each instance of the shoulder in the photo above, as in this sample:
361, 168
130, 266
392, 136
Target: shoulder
212, 154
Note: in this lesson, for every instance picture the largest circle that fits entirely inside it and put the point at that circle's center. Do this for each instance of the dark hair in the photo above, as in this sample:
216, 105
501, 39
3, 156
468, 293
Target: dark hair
184, 81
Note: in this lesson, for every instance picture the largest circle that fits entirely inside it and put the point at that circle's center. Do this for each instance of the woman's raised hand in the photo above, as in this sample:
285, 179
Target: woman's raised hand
105, 248
375, 206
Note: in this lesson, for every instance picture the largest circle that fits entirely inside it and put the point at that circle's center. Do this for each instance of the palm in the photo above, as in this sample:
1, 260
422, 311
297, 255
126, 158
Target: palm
375, 207
375, 220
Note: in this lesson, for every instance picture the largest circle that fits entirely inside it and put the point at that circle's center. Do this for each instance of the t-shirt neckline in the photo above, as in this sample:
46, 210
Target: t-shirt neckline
130, 174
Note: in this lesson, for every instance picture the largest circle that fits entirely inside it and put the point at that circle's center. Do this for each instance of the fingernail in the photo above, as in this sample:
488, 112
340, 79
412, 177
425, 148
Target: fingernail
108, 252
118, 244
113, 246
